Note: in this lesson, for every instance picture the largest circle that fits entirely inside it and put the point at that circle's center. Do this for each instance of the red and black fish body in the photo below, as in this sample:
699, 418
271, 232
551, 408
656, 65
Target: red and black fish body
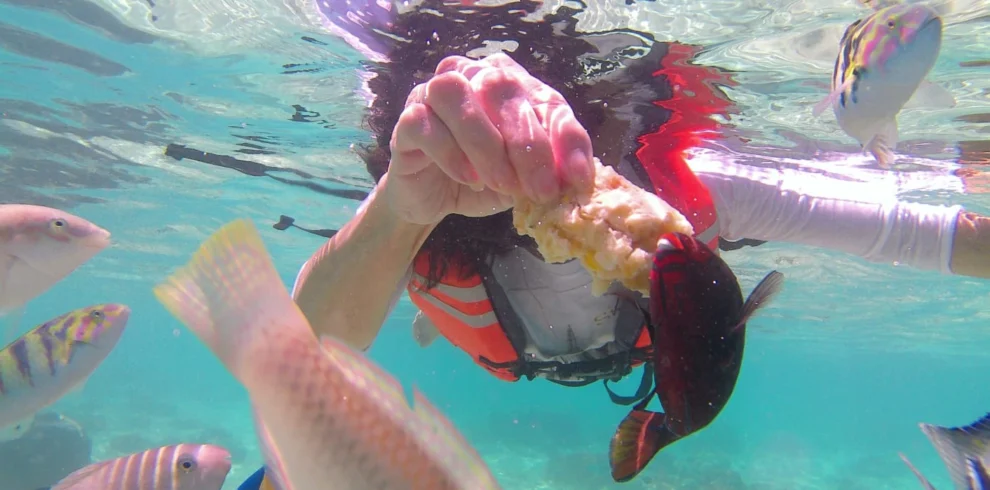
698, 319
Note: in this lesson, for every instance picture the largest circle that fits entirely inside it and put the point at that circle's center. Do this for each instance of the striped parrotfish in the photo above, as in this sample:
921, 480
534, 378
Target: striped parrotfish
326, 416
39, 246
965, 452
55, 357
178, 467
882, 62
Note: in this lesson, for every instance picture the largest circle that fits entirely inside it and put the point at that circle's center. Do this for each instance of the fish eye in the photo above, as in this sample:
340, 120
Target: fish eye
186, 463
58, 224
96, 315
891, 24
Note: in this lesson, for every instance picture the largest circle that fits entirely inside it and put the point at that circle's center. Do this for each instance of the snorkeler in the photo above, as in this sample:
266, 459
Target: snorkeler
455, 147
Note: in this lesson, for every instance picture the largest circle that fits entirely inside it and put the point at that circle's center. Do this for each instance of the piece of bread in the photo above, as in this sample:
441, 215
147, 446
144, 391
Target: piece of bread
612, 229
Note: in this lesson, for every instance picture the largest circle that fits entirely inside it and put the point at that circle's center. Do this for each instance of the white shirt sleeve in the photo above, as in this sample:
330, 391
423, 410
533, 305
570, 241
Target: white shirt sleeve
850, 209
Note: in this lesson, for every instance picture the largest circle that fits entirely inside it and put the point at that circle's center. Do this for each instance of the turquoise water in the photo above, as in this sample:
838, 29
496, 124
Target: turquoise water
839, 370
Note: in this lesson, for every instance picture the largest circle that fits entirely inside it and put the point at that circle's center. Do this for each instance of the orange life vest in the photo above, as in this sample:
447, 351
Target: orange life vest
464, 310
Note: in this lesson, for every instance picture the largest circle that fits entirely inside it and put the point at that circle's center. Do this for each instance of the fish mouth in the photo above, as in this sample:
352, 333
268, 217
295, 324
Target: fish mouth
99, 239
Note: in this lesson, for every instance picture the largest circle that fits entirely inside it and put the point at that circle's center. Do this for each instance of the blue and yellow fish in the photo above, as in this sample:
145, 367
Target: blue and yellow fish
55, 357
883, 60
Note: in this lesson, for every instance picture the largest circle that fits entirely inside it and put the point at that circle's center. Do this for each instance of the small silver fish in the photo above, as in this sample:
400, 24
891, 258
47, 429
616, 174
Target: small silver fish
55, 357
882, 62
965, 452
178, 467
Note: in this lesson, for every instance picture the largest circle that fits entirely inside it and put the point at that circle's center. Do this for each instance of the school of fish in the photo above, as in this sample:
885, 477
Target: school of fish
327, 417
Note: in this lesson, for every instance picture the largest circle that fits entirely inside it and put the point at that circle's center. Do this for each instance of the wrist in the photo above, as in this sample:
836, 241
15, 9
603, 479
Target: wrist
398, 231
971, 245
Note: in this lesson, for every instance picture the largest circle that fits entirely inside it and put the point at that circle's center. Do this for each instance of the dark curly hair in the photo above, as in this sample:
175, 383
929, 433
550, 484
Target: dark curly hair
549, 48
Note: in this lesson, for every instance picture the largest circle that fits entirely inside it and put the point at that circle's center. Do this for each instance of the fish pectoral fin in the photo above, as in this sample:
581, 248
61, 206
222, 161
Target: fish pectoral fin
761, 295
832, 97
639, 437
921, 478
956, 445
932, 96
424, 331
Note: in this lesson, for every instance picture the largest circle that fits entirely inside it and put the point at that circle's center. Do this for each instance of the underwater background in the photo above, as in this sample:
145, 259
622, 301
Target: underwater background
838, 371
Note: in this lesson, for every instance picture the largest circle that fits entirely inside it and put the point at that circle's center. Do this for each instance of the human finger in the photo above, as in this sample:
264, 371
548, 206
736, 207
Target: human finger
419, 130
570, 143
452, 98
525, 140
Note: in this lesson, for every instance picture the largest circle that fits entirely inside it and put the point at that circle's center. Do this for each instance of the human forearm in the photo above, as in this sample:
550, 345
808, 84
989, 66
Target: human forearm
346, 287
971, 246
839, 215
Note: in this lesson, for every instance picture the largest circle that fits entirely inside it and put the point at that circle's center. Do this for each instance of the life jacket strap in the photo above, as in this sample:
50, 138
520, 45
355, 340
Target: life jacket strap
646, 387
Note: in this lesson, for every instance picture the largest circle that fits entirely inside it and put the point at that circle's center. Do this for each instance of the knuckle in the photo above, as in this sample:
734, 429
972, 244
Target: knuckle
498, 83
445, 89
412, 123
415, 95
451, 63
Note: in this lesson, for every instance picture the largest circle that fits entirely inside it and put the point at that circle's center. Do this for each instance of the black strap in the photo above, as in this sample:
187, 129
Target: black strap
736, 245
645, 388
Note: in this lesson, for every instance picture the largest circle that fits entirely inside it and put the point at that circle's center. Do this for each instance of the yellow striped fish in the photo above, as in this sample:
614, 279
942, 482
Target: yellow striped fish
178, 467
56, 357
326, 416
883, 60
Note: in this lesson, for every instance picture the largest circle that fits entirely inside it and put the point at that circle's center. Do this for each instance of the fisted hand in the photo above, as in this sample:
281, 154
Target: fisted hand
478, 135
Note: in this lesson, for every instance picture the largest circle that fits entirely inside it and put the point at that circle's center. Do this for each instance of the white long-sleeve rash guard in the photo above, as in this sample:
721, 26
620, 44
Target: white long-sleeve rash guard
832, 205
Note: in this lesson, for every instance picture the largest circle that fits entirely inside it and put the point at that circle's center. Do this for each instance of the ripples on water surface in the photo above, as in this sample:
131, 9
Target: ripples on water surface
94, 91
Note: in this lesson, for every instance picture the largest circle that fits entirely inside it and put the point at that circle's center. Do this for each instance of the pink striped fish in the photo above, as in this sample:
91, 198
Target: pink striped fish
178, 467
56, 357
327, 416
882, 62
39, 246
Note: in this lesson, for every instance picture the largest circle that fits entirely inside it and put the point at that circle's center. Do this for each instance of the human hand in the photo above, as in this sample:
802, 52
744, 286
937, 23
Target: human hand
480, 134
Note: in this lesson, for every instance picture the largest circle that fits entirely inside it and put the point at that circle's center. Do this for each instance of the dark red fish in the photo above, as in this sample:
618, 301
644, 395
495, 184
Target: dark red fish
698, 320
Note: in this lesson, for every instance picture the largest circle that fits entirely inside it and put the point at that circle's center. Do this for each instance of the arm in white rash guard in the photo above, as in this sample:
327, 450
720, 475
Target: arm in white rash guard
863, 218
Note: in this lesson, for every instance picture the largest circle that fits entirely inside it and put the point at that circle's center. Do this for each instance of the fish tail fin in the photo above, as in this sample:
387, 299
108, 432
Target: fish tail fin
761, 295
640, 436
958, 445
921, 478
231, 296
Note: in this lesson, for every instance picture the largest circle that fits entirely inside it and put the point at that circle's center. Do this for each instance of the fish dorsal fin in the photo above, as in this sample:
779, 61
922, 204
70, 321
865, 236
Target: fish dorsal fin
761, 295
355, 364
957, 445
446, 441
79, 479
